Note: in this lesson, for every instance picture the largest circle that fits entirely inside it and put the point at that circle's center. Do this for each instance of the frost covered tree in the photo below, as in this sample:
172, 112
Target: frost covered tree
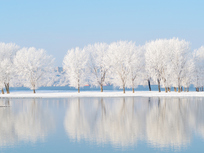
75, 65
155, 58
34, 67
181, 56
198, 56
121, 53
187, 80
98, 64
7, 53
166, 62
136, 64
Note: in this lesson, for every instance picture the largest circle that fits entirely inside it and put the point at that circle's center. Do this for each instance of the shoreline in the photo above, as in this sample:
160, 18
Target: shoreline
73, 94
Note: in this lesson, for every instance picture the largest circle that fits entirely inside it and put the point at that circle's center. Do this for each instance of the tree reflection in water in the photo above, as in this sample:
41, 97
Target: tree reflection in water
26, 121
160, 122
122, 122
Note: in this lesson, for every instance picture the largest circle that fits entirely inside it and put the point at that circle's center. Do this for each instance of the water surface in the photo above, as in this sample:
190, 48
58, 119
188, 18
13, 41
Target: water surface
132, 124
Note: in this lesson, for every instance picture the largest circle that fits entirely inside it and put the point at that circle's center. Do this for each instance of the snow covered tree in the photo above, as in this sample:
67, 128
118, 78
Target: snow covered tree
34, 67
136, 64
198, 56
98, 64
181, 55
155, 58
189, 74
121, 53
166, 62
75, 64
7, 52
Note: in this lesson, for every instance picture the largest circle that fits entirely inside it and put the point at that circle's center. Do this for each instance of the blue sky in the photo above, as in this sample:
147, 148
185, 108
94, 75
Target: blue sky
60, 25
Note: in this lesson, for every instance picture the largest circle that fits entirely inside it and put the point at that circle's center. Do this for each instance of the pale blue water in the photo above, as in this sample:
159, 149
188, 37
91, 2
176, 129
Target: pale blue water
130, 124
89, 88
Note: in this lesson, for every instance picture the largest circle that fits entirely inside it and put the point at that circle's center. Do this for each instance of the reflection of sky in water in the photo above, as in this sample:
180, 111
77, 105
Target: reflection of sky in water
102, 124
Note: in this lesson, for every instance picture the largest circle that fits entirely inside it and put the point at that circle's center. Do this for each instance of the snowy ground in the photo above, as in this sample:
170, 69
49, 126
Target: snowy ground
62, 94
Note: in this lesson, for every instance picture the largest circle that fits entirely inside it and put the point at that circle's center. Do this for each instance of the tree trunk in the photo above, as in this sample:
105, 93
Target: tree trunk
175, 89
101, 88
2, 91
78, 86
159, 85
179, 85
181, 89
34, 91
165, 89
123, 89
169, 89
78, 89
133, 90
149, 84
7, 87
184, 89
187, 89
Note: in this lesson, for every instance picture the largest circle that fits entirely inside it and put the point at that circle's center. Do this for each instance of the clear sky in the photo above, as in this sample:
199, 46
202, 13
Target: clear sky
59, 25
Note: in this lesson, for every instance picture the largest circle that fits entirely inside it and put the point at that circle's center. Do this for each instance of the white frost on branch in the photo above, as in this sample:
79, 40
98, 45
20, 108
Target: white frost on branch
198, 56
34, 67
136, 66
75, 65
98, 64
168, 62
121, 53
7, 53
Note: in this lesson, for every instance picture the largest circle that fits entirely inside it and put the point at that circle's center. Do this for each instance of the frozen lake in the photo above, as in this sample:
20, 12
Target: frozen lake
123, 124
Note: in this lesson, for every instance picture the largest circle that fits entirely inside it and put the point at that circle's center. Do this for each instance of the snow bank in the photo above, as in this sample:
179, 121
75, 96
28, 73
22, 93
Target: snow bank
63, 94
